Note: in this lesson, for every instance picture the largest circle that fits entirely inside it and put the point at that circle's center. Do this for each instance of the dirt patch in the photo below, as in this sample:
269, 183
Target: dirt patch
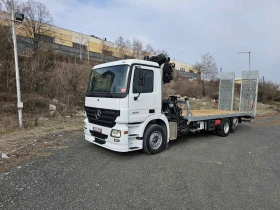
268, 120
11, 141
263, 115
35, 142
49, 133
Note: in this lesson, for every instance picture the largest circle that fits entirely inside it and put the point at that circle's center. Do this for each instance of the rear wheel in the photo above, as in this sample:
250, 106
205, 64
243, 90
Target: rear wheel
154, 140
234, 123
224, 128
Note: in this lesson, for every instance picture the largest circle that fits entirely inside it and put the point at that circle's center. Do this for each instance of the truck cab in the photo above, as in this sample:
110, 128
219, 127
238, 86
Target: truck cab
123, 107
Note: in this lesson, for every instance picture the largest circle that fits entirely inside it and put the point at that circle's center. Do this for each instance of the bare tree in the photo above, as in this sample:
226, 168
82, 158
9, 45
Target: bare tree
106, 50
162, 52
128, 43
121, 45
269, 91
80, 42
5, 22
2, 5
83, 41
6, 60
129, 48
137, 48
5, 5
36, 25
149, 50
208, 67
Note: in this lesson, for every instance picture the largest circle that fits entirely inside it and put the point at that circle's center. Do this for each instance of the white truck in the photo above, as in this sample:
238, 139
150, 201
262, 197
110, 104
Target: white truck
125, 111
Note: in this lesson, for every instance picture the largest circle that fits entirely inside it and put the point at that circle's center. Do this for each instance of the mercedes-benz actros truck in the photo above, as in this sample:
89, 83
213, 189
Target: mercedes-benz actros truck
125, 110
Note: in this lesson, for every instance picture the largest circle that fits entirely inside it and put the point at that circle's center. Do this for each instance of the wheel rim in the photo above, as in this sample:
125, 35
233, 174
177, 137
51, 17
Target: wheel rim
226, 127
234, 123
155, 140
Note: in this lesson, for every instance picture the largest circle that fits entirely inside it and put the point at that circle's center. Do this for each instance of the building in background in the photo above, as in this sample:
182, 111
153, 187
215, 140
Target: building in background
69, 43
81, 47
185, 70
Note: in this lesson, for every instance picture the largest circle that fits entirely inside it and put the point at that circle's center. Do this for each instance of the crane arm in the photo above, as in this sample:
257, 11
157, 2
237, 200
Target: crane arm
164, 63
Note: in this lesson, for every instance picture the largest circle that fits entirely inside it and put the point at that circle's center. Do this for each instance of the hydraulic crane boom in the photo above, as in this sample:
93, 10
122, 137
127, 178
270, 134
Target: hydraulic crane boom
167, 67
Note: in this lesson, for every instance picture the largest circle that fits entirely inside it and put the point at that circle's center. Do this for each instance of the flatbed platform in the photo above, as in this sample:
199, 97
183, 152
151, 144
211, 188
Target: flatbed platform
209, 114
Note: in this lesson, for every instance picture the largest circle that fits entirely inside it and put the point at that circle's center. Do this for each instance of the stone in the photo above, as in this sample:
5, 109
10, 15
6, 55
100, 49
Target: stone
43, 119
52, 113
79, 113
34, 122
5, 156
55, 101
52, 107
52, 110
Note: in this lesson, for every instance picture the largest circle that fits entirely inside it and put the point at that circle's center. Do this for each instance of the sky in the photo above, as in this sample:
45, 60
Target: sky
186, 29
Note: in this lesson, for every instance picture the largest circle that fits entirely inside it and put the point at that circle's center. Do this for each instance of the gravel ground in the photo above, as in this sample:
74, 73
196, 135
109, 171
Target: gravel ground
200, 171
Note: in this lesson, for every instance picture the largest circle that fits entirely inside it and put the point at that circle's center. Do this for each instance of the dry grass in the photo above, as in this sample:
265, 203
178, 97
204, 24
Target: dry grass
8, 122
11, 141
39, 141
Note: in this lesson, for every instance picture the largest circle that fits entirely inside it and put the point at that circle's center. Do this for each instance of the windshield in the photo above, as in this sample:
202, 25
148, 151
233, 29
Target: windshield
112, 79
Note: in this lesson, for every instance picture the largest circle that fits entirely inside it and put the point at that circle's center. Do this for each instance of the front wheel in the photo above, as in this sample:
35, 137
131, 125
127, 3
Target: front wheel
154, 140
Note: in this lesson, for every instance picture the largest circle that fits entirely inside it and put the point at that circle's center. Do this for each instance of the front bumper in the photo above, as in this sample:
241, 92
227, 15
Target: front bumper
122, 144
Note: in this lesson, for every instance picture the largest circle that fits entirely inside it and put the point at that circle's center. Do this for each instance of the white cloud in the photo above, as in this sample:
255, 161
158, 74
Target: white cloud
185, 28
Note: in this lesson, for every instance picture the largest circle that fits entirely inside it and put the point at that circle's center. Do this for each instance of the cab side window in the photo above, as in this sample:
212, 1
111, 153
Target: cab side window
149, 81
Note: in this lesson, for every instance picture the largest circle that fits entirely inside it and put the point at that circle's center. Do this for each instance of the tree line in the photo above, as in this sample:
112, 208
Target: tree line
137, 47
43, 65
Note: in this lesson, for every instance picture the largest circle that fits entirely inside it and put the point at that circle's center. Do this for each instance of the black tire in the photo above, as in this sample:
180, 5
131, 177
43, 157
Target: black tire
224, 129
154, 140
234, 124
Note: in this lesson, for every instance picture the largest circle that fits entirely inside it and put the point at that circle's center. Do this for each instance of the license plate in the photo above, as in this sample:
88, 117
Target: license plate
99, 130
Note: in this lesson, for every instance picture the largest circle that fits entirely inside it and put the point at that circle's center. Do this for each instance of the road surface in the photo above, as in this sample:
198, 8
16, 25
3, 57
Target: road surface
201, 171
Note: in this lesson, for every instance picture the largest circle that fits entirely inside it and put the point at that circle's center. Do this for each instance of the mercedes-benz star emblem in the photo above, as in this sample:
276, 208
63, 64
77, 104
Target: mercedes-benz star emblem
98, 114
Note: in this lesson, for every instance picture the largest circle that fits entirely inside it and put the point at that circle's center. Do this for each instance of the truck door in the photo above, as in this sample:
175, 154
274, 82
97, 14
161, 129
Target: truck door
142, 96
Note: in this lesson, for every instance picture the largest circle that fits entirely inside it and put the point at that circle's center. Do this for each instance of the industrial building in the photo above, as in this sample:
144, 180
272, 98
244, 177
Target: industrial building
81, 47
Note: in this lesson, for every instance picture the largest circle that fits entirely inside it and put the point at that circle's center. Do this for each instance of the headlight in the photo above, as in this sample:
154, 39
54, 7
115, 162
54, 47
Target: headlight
116, 133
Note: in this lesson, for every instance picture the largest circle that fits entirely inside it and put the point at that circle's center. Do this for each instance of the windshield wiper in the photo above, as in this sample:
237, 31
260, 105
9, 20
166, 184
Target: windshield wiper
106, 94
101, 91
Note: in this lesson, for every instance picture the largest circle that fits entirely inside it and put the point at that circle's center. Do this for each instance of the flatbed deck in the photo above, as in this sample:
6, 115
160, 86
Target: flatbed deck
209, 114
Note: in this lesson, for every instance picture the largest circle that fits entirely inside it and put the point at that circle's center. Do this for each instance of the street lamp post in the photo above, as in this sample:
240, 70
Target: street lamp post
249, 59
14, 18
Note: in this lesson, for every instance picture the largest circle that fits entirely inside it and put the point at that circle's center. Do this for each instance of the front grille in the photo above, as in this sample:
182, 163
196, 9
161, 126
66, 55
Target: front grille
107, 117
98, 135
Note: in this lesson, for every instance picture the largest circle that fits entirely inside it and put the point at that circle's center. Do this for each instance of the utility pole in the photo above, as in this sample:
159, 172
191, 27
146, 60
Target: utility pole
19, 103
249, 59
